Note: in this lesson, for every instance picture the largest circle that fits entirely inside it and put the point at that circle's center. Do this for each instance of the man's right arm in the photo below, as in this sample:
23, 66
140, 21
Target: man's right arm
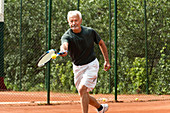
64, 48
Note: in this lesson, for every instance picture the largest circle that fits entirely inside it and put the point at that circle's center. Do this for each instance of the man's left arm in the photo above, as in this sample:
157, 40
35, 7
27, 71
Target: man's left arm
103, 49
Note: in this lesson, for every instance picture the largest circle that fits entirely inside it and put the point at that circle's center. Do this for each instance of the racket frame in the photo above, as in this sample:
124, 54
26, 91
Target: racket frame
52, 51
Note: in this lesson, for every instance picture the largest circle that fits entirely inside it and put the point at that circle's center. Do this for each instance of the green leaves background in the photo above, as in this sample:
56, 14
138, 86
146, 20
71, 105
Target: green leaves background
95, 13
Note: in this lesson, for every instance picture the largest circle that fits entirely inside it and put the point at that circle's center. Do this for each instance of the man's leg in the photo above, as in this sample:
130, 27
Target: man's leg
93, 102
84, 98
102, 108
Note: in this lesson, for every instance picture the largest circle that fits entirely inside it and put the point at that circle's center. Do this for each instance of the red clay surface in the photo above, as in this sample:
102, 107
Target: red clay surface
17, 96
131, 107
34, 102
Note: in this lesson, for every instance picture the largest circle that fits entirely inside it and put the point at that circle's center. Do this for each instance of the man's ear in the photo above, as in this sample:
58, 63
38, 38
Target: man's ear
81, 20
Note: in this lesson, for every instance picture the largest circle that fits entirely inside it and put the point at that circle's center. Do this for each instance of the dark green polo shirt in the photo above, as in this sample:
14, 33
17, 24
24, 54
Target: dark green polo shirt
81, 45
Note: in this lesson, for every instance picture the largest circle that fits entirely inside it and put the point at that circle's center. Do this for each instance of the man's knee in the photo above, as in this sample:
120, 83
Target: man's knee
82, 90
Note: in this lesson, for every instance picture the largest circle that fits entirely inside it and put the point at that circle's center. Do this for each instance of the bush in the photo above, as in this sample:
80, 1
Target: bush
160, 80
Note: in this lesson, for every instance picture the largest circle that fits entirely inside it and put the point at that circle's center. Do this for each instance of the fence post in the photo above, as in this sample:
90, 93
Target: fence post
78, 5
110, 90
46, 39
146, 49
2, 85
115, 19
20, 75
49, 47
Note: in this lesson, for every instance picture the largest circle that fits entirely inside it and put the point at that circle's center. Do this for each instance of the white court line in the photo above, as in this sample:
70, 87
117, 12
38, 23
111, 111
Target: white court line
14, 103
39, 102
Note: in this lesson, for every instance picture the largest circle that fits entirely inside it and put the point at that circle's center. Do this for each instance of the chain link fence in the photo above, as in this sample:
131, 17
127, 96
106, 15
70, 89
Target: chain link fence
25, 40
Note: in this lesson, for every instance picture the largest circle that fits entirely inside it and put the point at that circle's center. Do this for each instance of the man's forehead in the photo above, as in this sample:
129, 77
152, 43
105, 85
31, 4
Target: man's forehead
74, 16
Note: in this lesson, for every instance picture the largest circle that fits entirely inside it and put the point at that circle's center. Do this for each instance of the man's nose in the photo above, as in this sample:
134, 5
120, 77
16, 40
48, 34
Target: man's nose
74, 22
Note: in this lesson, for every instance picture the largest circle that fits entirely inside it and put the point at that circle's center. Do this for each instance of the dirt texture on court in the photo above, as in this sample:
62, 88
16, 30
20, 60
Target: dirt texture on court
36, 102
129, 107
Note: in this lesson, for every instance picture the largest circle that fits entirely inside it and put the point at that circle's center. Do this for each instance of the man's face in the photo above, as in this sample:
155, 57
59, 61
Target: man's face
75, 23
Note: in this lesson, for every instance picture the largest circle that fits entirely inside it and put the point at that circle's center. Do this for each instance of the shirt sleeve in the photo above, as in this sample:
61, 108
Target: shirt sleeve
96, 37
64, 38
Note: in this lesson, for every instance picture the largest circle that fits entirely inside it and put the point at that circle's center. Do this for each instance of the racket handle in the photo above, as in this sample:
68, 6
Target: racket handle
62, 53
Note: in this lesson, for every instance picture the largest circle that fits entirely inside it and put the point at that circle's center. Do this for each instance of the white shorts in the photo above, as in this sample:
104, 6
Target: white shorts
86, 75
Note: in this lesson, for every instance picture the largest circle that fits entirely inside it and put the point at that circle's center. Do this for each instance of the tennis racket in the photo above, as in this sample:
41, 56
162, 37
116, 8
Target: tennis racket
46, 57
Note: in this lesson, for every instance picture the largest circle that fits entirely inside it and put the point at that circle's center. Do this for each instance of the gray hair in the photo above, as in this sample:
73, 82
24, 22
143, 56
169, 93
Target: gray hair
75, 12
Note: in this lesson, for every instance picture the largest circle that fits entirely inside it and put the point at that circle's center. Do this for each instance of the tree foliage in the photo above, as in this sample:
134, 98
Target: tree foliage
95, 13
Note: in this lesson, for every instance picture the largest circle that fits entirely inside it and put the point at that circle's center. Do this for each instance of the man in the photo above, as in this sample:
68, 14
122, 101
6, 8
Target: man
79, 41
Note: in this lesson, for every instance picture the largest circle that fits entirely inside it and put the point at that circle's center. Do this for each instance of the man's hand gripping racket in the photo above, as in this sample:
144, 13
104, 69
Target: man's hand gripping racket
50, 54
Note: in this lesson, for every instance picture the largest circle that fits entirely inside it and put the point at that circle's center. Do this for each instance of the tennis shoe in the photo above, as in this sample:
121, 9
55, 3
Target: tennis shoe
105, 108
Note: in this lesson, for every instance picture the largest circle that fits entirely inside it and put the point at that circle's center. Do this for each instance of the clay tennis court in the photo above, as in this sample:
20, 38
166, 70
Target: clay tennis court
133, 107
35, 102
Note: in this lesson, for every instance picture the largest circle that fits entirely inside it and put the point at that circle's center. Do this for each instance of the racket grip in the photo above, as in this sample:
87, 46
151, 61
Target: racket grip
62, 53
